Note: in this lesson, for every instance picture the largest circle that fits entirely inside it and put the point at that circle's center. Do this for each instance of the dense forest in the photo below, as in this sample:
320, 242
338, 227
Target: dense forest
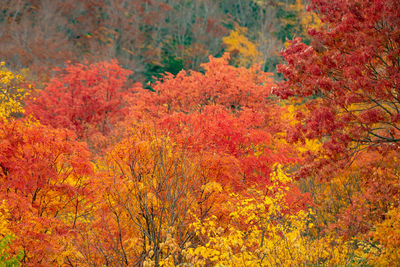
199, 133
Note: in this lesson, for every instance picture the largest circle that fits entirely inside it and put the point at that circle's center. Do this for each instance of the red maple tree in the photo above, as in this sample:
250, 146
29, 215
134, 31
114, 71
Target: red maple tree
88, 99
349, 76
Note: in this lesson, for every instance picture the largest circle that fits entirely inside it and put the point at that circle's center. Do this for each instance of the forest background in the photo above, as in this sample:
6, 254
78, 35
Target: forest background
199, 132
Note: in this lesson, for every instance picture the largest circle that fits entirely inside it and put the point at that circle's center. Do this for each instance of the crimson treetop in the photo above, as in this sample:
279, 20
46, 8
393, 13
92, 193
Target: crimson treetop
351, 74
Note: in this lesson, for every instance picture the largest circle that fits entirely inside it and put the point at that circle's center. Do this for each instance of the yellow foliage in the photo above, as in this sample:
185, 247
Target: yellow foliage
12, 94
307, 19
238, 44
289, 116
147, 181
261, 232
211, 187
388, 235
4, 230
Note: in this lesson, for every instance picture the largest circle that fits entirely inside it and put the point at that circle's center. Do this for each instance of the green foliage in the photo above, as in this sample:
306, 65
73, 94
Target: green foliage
5, 259
169, 64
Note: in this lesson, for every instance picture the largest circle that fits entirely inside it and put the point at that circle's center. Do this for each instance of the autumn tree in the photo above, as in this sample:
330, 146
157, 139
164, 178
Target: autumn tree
235, 89
184, 146
261, 232
87, 99
226, 120
346, 82
148, 187
226, 111
350, 74
44, 178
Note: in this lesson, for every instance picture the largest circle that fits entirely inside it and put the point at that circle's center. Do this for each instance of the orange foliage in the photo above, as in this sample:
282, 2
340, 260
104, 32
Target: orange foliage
44, 180
224, 113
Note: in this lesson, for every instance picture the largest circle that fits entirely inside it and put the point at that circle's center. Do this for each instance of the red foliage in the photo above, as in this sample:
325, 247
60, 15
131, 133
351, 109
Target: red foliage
42, 179
352, 71
221, 84
224, 114
218, 132
88, 99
